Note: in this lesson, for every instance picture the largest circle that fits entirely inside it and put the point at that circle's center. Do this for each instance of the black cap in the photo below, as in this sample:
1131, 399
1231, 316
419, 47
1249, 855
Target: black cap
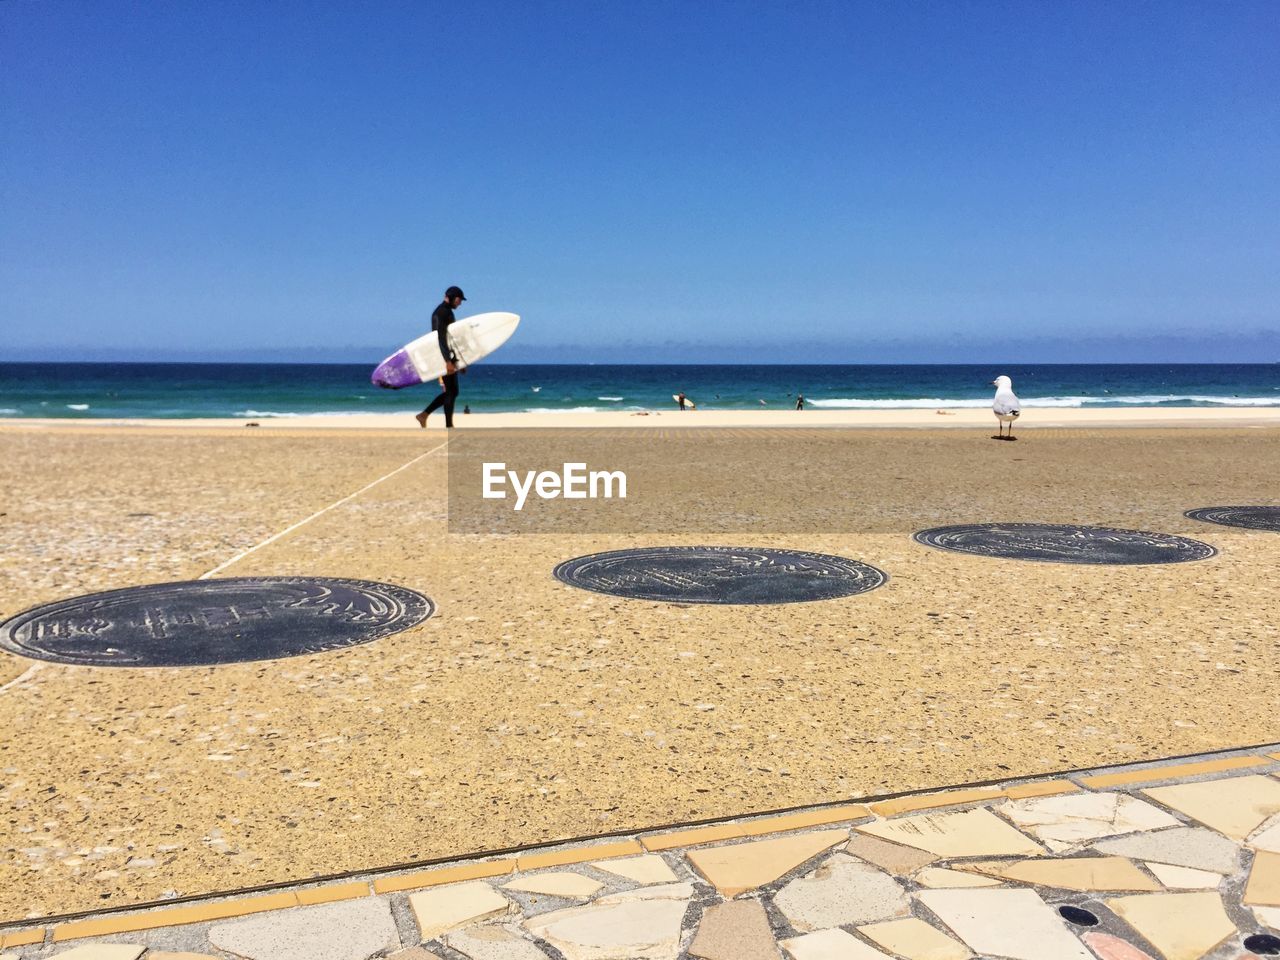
454, 292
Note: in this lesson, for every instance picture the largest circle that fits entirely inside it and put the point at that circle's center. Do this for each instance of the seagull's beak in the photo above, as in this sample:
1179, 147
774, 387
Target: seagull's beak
994, 384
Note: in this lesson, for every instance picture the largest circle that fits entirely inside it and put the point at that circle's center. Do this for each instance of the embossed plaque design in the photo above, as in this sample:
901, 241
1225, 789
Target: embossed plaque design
737, 575
1065, 543
204, 622
1250, 518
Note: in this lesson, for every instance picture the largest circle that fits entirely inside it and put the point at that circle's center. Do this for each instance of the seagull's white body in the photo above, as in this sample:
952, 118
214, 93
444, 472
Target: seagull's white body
1005, 406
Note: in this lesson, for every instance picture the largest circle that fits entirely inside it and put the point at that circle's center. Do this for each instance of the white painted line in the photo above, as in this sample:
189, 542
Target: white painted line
26, 675
337, 503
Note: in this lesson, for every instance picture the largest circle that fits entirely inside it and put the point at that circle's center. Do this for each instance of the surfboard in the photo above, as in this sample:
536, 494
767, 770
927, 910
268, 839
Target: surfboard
471, 339
687, 402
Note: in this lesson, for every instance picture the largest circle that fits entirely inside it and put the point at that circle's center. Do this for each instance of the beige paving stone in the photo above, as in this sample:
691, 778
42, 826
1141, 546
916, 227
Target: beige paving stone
439, 909
1236, 806
556, 885
443, 876
22, 938
840, 892
493, 942
831, 945
1040, 788
580, 854
1108, 947
893, 857
1184, 878
745, 866
940, 878
166, 955
972, 833
823, 816
647, 868
738, 930
102, 951
1268, 916
889, 808
1008, 923
785, 822
1263, 889
1182, 926
172, 917
643, 924
914, 939
1071, 873
1062, 822
1175, 771
331, 894
1193, 847
1267, 837
695, 835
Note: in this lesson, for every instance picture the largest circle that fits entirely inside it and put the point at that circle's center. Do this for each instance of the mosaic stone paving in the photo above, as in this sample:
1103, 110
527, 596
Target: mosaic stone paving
726, 575
203, 622
1174, 861
1250, 518
1063, 543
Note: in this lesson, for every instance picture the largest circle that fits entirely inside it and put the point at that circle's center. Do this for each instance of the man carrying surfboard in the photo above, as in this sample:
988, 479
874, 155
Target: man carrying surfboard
440, 320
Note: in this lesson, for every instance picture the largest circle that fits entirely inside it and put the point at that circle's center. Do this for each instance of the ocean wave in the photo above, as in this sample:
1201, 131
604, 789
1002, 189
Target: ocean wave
77, 406
611, 399
563, 409
1152, 400
915, 403
268, 414
9, 411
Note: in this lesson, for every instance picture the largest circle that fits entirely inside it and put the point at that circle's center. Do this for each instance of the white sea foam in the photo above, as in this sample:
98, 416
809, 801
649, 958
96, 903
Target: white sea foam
8, 411
563, 409
77, 406
931, 403
921, 403
611, 399
268, 414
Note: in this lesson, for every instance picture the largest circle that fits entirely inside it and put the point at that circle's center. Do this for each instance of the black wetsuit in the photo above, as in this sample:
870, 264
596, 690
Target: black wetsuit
440, 320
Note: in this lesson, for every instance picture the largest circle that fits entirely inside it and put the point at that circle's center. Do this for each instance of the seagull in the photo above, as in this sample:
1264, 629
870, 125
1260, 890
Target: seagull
1005, 406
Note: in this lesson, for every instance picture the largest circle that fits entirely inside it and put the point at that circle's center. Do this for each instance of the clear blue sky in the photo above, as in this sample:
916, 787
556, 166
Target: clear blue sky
804, 181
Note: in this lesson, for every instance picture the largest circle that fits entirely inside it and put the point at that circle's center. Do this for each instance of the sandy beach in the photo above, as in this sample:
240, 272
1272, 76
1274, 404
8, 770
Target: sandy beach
527, 711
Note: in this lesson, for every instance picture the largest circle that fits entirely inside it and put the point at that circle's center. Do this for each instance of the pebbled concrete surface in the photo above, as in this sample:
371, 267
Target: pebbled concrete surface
528, 711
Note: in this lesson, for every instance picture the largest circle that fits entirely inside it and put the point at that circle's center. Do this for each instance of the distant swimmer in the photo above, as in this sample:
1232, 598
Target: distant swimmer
800, 401
1005, 406
440, 320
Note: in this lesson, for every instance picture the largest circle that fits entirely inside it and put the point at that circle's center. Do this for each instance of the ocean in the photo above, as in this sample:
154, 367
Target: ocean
256, 391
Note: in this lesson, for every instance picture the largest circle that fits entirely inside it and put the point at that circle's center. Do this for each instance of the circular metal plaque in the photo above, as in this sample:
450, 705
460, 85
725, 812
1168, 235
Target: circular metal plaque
1251, 518
1065, 543
720, 575
203, 622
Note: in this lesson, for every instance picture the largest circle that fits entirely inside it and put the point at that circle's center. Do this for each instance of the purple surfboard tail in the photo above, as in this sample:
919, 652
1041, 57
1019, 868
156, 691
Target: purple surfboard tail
395, 372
